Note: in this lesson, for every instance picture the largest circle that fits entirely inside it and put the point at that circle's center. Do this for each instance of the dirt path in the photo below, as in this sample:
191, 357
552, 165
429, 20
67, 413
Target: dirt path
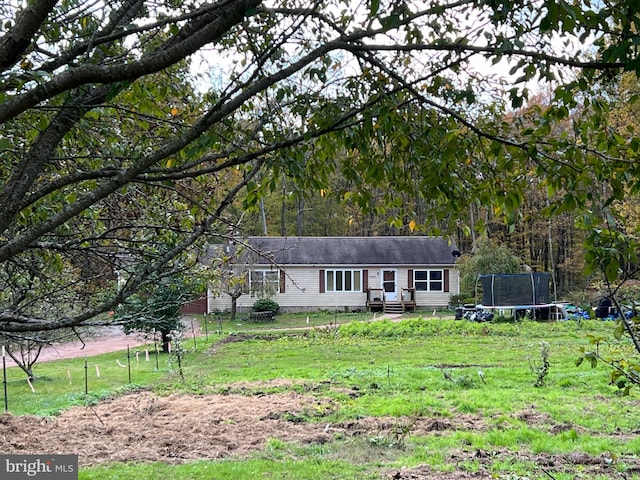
106, 343
109, 340
113, 339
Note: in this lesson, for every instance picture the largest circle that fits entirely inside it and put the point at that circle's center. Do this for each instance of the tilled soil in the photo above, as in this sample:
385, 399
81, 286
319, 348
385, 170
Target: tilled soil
145, 427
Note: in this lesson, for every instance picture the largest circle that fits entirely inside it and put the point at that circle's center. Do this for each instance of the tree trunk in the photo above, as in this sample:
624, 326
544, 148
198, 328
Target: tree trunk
283, 209
165, 339
26, 361
299, 216
263, 217
234, 308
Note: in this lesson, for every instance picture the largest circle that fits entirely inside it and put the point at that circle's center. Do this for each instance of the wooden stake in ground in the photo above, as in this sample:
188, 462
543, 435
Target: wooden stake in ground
4, 380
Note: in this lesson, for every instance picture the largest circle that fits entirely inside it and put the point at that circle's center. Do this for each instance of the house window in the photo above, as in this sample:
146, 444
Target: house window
428, 280
343, 281
264, 283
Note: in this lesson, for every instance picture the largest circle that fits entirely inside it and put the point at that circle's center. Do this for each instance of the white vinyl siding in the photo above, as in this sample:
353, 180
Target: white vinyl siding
302, 291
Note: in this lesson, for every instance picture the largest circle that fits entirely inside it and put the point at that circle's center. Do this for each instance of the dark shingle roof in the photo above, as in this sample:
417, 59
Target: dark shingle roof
414, 250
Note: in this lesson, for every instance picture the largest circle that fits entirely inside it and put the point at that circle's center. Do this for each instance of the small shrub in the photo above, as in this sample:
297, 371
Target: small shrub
541, 370
465, 381
455, 300
503, 319
462, 381
266, 305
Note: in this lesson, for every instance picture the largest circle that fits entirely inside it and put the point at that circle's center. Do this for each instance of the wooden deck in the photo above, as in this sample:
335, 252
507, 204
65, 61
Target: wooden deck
377, 303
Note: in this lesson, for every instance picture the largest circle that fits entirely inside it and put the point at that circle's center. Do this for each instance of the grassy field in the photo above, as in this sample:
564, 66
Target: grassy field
449, 399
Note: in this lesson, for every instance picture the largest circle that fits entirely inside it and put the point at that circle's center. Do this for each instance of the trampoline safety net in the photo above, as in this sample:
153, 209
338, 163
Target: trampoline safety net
520, 289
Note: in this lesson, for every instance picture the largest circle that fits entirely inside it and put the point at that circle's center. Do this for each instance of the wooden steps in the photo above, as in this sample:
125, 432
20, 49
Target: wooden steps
393, 307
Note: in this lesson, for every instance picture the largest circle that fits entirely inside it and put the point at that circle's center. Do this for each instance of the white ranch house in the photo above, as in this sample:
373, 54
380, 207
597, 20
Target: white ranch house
390, 274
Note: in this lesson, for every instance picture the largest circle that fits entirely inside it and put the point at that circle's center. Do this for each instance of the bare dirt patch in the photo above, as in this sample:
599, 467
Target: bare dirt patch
145, 427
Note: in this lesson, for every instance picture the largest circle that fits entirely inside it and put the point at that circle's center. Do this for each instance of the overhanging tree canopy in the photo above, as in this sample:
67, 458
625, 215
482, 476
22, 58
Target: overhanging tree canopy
117, 163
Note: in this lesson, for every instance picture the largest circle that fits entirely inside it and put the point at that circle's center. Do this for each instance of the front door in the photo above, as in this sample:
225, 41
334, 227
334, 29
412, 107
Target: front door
389, 285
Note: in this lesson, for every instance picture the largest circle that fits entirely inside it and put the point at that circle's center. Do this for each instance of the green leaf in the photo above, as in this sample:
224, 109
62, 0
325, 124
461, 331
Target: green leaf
374, 6
116, 88
390, 22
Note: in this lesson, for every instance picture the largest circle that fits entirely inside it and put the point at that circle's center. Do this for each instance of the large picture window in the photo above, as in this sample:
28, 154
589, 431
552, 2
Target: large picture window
264, 282
428, 280
343, 281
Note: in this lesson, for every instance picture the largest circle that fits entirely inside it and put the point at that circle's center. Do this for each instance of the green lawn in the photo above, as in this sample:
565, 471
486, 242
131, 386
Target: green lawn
476, 379
222, 322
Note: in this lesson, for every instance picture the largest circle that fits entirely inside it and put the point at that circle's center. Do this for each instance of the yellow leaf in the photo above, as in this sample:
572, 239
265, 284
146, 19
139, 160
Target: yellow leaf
412, 225
171, 162
174, 111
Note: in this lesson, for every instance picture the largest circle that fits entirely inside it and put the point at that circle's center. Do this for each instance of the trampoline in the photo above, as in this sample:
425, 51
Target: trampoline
522, 293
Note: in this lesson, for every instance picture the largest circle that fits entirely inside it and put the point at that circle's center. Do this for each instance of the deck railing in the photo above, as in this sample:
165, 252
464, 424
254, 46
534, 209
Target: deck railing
375, 295
408, 295
376, 298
